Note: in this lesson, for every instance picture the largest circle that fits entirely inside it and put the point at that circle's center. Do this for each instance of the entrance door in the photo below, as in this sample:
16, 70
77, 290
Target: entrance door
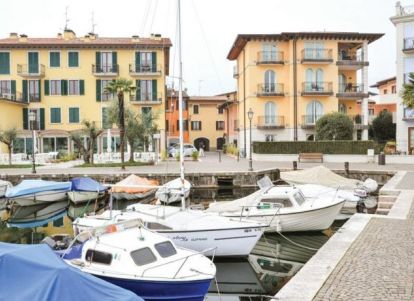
33, 62
220, 142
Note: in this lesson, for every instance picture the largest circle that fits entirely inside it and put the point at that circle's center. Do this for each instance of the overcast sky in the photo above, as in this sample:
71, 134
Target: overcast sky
209, 27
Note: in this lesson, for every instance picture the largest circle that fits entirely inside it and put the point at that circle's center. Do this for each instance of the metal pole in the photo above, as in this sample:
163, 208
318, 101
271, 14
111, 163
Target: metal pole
250, 157
180, 107
33, 149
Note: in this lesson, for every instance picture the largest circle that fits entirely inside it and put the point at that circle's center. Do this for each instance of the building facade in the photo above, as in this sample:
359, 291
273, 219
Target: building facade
61, 81
172, 125
386, 100
404, 24
290, 80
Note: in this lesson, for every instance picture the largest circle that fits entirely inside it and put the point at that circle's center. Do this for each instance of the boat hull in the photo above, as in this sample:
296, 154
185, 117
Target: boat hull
164, 290
44, 213
41, 197
82, 196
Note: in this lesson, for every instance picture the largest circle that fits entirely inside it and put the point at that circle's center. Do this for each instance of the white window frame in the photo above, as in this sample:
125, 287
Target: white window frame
60, 59
60, 87
50, 115
7, 88
67, 57
36, 88
78, 91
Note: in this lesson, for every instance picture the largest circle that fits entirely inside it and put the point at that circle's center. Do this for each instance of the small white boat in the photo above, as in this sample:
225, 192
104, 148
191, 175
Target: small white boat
132, 257
171, 192
134, 188
264, 265
283, 208
85, 189
192, 229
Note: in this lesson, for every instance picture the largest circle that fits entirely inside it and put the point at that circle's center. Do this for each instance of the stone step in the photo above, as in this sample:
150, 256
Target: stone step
387, 198
385, 205
382, 211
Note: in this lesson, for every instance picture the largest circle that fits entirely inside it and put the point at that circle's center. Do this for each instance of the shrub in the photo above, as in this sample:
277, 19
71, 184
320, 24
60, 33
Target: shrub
334, 126
164, 155
195, 155
232, 149
383, 128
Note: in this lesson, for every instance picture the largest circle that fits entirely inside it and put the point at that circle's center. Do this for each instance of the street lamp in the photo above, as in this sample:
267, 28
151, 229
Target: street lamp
32, 120
250, 116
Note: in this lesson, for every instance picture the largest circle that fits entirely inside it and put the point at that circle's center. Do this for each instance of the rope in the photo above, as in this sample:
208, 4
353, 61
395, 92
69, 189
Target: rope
295, 243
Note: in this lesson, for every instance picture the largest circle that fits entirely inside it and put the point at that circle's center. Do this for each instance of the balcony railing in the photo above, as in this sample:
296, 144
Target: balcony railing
31, 70
408, 44
33, 97
351, 59
270, 57
351, 90
144, 69
358, 121
105, 70
274, 89
271, 122
235, 72
315, 55
309, 121
147, 98
317, 88
15, 97
408, 114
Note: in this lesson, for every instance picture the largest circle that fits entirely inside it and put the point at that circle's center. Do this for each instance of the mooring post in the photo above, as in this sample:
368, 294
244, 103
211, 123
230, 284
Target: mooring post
346, 165
295, 165
219, 153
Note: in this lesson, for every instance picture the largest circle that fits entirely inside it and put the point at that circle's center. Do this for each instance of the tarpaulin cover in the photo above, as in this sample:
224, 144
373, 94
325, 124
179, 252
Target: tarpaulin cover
87, 184
34, 272
134, 184
28, 187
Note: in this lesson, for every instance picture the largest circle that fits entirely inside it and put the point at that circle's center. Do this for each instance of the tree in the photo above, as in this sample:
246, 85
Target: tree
92, 132
408, 92
149, 126
383, 128
334, 126
7, 137
120, 87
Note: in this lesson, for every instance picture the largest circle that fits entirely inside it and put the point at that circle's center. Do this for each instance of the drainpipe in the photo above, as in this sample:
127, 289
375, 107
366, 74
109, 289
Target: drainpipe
295, 94
244, 101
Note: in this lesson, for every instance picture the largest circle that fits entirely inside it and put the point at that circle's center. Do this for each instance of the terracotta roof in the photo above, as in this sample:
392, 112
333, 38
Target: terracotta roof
242, 39
208, 98
384, 81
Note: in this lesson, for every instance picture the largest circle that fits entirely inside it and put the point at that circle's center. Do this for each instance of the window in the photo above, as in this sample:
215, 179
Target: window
342, 108
106, 62
143, 256
300, 199
283, 202
219, 125
55, 115
270, 113
270, 138
196, 125
195, 109
62, 144
185, 122
371, 112
33, 90
74, 87
73, 115
167, 125
146, 90
105, 95
385, 91
55, 87
165, 249
19, 146
98, 257
4, 63
270, 52
5, 87
314, 111
146, 61
269, 81
54, 59
220, 110
105, 119
73, 59
58, 222
48, 144
393, 89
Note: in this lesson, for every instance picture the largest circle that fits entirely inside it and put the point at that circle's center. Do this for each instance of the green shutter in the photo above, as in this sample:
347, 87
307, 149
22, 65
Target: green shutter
73, 59
137, 61
54, 59
154, 61
13, 87
114, 61
154, 90
24, 85
55, 116
138, 90
4, 63
46, 87
82, 87
98, 60
39, 88
73, 115
64, 87
25, 118
42, 119
98, 90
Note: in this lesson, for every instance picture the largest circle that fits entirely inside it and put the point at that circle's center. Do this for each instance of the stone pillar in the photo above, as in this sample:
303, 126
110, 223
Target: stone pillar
364, 104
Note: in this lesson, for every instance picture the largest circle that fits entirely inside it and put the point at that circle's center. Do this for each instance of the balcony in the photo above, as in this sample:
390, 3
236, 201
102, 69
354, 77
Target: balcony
408, 45
33, 97
235, 72
317, 89
12, 97
408, 114
316, 56
309, 121
358, 121
31, 71
144, 70
265, 90
351, 60
351, 91
105, 70
270, 58
146, 99
271, 122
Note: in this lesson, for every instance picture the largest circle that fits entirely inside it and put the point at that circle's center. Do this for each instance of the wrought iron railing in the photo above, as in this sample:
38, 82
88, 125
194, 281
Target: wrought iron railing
105, 69
270, 89
271, 121
31, 70
7, 95
270, 57
147, 97
351, 88
144, 68
317, 54
310, 119
317, 88
350, 56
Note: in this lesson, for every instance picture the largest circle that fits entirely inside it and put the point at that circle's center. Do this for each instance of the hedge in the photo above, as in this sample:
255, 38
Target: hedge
325, 147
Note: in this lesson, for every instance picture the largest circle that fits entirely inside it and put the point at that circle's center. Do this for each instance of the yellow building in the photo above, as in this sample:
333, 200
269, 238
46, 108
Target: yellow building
61, 81
207, 122
289, 80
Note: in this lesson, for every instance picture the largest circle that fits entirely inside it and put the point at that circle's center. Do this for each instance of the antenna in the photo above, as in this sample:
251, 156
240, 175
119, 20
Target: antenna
93, 22
66, 17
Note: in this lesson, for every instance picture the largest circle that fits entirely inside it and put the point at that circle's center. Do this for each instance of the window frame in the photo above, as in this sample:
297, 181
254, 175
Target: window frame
79, 119
50, 115
50, 59
73, 51
97, 262
198, 109
78, 87
10, 61
170, 245
146, 263
59, 89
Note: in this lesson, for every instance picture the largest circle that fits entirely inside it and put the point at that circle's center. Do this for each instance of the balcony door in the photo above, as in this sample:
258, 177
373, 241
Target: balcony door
270, 113
269, 81
106, 61
314, 50
33, 59
314, 110
146, 61
269, 52
146, 90
342, 82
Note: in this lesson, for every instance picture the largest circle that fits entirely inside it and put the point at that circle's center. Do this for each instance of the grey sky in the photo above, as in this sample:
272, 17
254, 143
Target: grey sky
205, 47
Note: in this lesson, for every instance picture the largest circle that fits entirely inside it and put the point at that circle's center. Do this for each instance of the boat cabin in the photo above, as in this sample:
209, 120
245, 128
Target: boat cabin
281, 197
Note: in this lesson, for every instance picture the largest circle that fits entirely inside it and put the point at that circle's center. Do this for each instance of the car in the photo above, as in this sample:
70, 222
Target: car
189, 149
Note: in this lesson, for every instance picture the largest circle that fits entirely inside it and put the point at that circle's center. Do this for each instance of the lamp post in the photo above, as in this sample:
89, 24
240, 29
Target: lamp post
250, 116
32, 120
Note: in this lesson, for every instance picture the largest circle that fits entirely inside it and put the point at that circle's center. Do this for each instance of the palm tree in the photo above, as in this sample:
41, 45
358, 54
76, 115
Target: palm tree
7, 137
408, 92
120, 87
91, 131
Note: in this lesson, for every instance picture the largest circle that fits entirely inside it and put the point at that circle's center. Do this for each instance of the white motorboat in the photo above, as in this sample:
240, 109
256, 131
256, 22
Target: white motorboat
4, 186
85, 189
134, 188
130, 256
283, 208
192, 229
170, 192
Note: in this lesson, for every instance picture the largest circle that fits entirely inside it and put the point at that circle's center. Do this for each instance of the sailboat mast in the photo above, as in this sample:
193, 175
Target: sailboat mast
180, 107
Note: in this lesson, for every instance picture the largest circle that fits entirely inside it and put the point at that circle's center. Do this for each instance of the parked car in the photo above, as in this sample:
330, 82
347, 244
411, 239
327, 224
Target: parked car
188, 150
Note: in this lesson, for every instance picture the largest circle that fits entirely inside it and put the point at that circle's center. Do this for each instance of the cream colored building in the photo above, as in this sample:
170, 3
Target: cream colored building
291, 79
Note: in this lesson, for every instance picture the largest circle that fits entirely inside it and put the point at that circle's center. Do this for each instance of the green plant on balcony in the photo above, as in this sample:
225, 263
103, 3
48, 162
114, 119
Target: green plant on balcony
407, 93
334, 126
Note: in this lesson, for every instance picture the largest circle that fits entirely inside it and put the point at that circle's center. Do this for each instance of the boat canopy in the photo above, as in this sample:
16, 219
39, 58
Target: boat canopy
319, 175
87, 184
28, 187
34, 272
134, 184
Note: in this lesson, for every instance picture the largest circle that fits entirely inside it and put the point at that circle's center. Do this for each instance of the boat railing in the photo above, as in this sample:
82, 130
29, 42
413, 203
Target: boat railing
278, 206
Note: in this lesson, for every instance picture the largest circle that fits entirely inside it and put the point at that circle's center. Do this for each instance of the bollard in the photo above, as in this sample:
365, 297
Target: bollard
346, 165
219, 153
295, 165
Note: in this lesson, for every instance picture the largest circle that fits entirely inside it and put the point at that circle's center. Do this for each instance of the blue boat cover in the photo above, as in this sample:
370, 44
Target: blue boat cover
34, 272
34, 224
87, 184
28, 187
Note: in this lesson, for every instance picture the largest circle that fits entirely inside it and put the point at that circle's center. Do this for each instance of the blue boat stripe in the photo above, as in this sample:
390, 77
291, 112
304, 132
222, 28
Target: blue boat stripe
235, 237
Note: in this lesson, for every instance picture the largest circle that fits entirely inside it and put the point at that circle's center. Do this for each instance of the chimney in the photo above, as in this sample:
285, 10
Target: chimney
59, 36
69, 34
23, 38
93, 36
13, 35
135, 39
156, 36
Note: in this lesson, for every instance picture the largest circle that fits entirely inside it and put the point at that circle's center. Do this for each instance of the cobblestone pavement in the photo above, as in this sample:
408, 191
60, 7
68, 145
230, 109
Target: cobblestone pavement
378, 266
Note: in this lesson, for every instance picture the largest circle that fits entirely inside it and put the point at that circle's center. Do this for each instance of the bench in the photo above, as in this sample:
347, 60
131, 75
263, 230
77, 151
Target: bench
311, 157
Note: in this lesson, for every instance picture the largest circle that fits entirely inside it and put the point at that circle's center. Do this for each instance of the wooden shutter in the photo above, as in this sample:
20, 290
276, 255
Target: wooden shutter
25, 118
154, 61
137, 61
64, 87
42, 119
97, 61
200, 125
154, 90
4, 63
114, 61
47, 87
24, 85
39, 89
13, 87
82, 87
98, 90
138, 91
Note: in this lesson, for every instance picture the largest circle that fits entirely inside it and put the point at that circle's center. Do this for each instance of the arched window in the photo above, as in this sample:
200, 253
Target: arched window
319, 77
342, 82
342, 108
270, 113
309, 79
269, 81
314, 110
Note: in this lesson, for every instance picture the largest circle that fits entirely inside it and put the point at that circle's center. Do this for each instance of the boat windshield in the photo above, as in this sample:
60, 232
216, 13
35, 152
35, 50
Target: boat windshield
299, 198
278, 202
143, 256
165, 249
98, 257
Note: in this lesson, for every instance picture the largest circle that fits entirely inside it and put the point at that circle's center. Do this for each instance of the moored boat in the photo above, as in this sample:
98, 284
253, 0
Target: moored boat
134, 188
171, 191
85, 189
